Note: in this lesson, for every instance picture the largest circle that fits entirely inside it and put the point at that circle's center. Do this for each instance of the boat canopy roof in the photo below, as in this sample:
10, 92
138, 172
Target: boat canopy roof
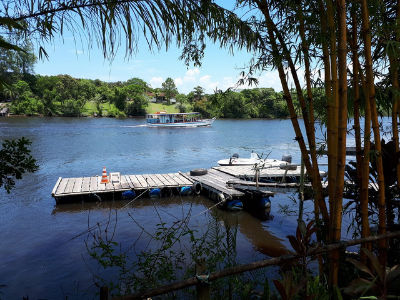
163, 113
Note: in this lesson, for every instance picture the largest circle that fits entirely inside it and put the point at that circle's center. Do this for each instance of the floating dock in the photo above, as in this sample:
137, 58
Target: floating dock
85, 187
230, 187
217, 179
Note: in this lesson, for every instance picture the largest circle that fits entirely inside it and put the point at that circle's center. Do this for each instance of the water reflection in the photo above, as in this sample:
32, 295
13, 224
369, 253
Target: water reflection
253, 230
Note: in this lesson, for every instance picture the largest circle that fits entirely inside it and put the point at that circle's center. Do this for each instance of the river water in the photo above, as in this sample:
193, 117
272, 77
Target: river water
42, 245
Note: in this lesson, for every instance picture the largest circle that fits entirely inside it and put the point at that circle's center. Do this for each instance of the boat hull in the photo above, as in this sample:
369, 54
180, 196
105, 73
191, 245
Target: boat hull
267, 163
201, 123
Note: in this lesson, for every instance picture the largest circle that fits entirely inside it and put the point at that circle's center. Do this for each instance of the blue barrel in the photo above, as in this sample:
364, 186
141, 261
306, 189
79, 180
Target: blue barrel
186, 190
265, 202
154, 193
234, 205
128, 195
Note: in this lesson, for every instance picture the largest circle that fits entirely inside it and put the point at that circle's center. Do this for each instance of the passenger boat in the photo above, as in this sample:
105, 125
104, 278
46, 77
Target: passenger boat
164, 119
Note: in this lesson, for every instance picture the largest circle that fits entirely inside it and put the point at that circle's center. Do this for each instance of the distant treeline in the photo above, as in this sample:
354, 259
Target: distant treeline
64, 95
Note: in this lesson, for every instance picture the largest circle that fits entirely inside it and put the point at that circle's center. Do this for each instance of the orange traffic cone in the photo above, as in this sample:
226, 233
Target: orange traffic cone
104, 177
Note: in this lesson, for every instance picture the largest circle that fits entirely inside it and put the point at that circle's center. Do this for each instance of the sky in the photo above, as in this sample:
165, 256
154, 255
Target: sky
219, 69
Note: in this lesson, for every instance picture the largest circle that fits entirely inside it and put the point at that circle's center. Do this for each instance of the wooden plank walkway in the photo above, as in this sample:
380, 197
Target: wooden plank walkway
273, 187
217, 180
91, 185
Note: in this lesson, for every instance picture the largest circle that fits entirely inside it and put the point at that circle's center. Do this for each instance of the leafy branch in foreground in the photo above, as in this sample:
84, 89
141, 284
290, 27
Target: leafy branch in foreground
167, 255
15, 160
376, 284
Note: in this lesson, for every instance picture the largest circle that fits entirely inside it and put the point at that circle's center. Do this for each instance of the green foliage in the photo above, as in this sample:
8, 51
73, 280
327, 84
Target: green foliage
169, 89
67, 96
112, 112
301, 243
24, 102
201, 106
15, 160
119, 99
71, 108
136, 107
181, 99
288, 288
182, 107
27, 106
153, 107
375, 285
198, 93
170, 255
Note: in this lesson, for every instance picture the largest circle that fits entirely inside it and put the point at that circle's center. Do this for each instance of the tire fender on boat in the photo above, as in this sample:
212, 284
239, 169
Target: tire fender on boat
198, 172
221, 198
197, 187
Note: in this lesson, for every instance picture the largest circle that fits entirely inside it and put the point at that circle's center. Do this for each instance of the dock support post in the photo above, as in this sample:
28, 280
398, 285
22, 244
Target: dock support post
104, 293
203, 287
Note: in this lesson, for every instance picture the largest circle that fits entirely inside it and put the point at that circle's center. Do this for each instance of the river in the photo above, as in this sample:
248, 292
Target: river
42, 246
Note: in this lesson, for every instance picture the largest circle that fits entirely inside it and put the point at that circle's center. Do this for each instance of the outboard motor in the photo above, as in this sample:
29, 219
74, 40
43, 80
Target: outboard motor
287, 158
233, 157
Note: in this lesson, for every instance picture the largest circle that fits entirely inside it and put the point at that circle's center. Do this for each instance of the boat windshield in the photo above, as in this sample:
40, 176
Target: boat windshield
163, 117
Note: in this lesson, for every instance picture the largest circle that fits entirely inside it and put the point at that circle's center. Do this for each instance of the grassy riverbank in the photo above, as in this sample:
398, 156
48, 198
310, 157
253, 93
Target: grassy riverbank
109, 110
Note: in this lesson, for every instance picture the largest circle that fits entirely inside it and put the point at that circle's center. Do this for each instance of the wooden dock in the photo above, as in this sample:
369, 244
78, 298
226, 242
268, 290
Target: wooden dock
71, 187
228, 182
227, 190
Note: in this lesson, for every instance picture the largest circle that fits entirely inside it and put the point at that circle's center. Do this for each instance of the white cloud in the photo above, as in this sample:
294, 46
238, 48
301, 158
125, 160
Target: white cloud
228, 82
193, 72
270, 79
205, 79
208, 85
178, 82
156, 82
190, 79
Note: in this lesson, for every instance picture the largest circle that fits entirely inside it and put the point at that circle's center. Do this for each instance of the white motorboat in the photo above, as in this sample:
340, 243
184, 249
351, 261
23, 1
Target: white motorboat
234, 160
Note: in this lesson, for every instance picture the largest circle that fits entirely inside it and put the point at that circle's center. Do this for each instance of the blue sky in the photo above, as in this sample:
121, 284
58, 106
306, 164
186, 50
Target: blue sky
219, 69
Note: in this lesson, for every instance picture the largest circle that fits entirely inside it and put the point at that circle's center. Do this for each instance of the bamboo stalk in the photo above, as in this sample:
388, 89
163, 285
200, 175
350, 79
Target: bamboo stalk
332, 144
342, 133
362, 160
375, 127
329, 104
312, 169
312, 143
394, 68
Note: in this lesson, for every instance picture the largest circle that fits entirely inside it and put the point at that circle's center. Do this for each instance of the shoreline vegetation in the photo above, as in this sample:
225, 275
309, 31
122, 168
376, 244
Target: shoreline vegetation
63, 95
